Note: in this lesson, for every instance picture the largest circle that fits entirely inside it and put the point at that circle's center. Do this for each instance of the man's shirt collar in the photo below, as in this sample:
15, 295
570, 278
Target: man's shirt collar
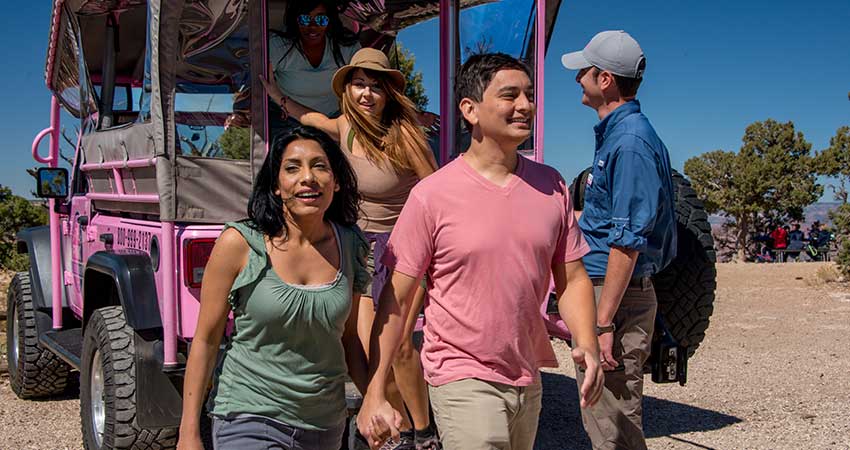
604, 127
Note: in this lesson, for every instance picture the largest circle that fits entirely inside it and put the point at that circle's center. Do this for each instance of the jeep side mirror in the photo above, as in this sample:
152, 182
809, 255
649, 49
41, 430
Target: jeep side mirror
52, 182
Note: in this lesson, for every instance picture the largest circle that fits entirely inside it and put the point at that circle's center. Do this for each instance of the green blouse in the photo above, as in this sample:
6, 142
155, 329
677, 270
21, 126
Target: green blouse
285, 359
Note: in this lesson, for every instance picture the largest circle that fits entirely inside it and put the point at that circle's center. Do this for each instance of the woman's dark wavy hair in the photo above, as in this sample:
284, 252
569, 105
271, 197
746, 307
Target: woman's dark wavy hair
337, 33
265, 208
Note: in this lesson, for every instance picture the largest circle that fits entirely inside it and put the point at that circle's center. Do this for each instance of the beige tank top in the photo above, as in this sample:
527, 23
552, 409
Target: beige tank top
383, 190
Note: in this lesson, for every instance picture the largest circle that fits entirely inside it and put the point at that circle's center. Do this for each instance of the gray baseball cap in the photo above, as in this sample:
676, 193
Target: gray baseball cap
614, 51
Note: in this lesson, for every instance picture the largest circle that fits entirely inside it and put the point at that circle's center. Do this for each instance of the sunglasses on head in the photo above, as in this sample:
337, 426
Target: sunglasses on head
321, 20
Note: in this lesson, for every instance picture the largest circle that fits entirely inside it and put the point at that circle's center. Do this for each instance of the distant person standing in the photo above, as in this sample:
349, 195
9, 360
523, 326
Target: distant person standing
779, 241
629, 225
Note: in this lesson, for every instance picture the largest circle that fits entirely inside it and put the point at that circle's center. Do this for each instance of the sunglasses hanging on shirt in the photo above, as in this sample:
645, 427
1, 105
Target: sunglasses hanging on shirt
321, 20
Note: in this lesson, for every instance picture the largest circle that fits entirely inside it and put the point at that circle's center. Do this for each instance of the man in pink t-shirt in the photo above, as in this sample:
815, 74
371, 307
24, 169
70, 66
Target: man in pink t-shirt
490, 229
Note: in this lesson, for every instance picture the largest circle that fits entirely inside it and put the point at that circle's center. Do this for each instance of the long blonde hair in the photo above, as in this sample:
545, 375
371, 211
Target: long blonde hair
394, 137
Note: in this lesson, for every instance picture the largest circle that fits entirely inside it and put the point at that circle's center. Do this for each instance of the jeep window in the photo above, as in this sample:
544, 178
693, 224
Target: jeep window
212, 102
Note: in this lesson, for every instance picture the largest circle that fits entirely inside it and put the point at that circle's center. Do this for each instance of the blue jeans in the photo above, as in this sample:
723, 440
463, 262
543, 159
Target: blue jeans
247, 432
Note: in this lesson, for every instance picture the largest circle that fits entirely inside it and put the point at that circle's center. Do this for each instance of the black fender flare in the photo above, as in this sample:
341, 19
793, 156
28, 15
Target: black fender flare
130, 274
35, 242
126, 278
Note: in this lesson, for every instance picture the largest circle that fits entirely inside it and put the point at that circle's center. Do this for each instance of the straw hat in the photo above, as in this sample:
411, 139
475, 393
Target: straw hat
370, 59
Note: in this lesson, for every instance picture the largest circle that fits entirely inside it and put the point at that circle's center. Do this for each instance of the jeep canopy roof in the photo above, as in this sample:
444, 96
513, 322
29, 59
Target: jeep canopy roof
165, 55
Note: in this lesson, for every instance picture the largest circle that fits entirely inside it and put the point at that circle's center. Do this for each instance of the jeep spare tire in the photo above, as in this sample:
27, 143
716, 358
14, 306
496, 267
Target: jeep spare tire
684, 289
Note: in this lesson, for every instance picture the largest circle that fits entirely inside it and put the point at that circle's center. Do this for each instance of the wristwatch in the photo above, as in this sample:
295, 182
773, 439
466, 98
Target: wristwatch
606, 329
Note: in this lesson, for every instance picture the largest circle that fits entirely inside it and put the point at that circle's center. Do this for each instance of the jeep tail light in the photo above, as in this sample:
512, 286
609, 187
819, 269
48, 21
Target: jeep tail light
197, 254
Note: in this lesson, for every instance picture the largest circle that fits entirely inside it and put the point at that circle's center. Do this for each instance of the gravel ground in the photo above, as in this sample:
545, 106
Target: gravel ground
773, 373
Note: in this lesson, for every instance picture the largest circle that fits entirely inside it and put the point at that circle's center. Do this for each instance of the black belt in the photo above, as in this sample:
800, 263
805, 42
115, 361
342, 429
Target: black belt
641, 282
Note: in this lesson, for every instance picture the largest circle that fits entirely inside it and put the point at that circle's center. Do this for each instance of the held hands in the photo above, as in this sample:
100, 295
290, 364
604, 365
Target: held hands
378, 421
591, 389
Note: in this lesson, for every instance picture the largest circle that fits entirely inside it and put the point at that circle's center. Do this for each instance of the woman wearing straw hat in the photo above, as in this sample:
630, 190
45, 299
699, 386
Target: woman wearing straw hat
379, 132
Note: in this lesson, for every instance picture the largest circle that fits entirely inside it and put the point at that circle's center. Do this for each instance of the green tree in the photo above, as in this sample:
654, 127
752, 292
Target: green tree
16, 213
840, 218
404, 60
835, 162
770, 179
235, 142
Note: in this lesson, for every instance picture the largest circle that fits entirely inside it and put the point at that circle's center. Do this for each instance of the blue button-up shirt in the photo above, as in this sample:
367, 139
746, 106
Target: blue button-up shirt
628, 199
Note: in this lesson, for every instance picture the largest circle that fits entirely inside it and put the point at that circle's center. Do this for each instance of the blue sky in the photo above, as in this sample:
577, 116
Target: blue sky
713, 68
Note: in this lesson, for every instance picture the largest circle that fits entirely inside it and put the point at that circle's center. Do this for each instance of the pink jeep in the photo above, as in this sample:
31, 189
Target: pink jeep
173, 125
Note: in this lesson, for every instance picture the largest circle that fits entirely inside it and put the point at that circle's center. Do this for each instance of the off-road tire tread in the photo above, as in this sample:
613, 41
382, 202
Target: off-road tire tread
685, 289
39, 372
109, 330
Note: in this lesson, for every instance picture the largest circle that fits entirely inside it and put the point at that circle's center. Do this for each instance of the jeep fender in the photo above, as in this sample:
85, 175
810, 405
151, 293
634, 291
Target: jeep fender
123, 278
35, 242
126, 278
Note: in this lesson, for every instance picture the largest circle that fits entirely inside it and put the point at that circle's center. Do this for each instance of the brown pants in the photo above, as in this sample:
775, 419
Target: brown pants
472, 414
615, 422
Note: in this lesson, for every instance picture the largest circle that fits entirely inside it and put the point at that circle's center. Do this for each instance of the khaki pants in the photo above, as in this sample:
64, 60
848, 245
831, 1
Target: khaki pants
615, 422
480, 415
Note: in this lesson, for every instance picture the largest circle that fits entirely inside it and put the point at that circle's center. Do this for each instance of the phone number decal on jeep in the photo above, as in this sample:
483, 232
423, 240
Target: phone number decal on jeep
139, 240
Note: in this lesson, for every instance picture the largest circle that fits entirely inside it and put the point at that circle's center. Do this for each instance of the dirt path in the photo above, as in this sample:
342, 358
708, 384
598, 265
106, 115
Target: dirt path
773, 373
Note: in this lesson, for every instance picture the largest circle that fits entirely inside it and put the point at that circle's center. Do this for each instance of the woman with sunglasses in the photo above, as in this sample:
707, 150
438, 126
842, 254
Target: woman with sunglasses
379, 132
305, 55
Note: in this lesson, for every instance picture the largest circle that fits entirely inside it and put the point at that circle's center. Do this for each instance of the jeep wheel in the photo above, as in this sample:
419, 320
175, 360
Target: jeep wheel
108, 388
33, 371
685, 289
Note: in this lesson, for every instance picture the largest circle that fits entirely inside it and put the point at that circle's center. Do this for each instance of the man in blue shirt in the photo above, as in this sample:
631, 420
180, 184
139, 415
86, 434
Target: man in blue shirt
628, 223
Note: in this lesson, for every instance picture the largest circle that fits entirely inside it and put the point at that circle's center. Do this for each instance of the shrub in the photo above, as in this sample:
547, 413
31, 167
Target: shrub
16, 213
840, 218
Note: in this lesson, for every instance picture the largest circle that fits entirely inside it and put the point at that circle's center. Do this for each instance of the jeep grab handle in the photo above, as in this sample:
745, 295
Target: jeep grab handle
37, 141
53, 131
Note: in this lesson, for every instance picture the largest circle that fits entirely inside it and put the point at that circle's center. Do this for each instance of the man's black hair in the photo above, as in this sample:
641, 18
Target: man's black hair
478, 71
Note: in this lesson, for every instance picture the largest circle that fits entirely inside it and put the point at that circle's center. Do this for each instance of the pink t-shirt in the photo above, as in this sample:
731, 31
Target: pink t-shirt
488, 252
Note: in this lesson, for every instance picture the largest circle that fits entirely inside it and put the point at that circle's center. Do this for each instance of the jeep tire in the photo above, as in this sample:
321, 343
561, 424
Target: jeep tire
685, 289
33, 371
108, 388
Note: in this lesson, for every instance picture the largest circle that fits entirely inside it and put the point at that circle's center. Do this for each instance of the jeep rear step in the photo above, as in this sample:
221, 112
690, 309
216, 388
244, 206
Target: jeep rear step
66, 344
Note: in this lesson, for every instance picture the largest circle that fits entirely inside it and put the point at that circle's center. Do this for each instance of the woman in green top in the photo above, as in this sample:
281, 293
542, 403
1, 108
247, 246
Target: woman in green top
289, 274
